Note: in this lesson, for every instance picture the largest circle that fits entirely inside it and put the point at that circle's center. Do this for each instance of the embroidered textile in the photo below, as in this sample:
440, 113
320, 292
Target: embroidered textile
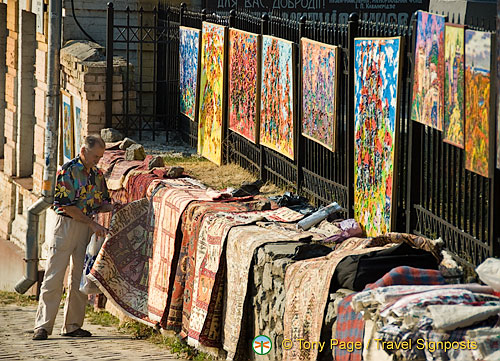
211, 242
121, 267
191, 222
168, 204
242, 242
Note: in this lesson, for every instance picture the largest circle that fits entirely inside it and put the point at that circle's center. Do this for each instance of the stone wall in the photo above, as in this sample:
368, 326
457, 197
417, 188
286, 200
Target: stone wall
267, 297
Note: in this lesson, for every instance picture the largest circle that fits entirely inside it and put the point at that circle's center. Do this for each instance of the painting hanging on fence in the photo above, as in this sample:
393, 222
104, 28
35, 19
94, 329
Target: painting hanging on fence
244, 76
189, 45
211, 103
67, 127
477, 101
454, 107
376, 95
277, 100
428, 80
319, 91
77, 117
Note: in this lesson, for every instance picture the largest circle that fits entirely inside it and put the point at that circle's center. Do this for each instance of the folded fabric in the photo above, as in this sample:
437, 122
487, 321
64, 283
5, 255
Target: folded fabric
115, 180
450, 317
489, 273
350, 324
487, 340
349, 228
307, 285
108, 160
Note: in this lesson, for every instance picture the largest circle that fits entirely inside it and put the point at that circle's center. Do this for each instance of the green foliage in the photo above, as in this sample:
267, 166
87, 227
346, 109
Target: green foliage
7, 298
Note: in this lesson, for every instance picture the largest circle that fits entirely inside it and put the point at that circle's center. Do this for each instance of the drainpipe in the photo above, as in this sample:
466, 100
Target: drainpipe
51, 142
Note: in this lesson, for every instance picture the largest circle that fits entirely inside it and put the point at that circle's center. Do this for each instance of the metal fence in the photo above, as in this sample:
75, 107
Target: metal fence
435, 195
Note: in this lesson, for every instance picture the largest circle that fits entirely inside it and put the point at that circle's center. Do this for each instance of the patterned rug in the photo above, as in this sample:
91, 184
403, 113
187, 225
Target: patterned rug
121, 268
119, 172
307, 285
168, 204
241, 245
191, 222
211, 242
108, 160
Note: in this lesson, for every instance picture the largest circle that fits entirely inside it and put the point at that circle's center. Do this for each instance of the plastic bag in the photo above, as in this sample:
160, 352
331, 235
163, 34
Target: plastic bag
489, 273
87, 286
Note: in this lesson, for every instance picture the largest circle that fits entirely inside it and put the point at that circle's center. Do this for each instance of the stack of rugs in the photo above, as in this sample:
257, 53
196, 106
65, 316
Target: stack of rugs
181, 256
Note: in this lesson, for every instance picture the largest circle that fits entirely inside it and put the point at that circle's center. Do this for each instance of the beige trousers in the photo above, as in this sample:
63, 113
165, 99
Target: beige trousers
69, 242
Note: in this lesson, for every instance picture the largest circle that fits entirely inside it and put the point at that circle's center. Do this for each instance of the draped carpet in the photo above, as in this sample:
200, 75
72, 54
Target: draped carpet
207, 280
121, 267
168, 204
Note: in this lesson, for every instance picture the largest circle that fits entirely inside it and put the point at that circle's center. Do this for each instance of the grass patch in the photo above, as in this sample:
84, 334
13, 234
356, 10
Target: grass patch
7, 298
219, 177
140, 331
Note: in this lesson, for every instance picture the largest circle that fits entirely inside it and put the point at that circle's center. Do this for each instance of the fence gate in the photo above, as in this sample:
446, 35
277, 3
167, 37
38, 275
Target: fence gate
148, 41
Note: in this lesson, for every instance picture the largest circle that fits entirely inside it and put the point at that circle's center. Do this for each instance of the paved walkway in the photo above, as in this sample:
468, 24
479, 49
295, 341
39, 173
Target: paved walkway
16, 330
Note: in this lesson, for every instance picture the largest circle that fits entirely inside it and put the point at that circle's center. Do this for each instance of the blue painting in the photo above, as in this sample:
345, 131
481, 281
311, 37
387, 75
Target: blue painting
189, 45
376, 85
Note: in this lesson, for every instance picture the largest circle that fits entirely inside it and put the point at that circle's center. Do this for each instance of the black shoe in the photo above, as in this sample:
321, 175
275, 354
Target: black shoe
40, 334
78, 333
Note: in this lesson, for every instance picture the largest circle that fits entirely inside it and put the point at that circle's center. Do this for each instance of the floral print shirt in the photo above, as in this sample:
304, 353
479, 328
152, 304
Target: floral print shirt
76, 186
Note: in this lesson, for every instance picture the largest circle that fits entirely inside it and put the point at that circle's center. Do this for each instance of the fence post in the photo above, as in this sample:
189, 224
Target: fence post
298, 122
181, 14
495, 173
109, 66
353, 25
232, 22
264, 28
415, 136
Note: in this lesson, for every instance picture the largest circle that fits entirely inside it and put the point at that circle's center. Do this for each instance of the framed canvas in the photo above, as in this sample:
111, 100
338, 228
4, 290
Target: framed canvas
320, 73
454, 85
377, 82
67, 128
211, 104
477, 100
77, 117
428, 79
277, 107
189, 46
244, 81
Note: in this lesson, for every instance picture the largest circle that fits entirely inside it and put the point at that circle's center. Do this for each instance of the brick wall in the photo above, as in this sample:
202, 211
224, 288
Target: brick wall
3, 44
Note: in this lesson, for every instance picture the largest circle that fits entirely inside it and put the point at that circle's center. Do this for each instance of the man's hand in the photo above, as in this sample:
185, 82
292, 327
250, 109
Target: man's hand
99, 230
106, 207
78, 215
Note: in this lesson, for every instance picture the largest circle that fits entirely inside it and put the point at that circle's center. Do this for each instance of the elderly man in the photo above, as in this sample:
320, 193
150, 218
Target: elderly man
80, 193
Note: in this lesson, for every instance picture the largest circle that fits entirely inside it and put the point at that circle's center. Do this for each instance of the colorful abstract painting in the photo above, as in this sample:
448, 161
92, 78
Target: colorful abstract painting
277, 102
319, 91
189, 45
211, 104
428, 81
67, 127
244, 76
77, 116
376, 88
477, 101
454, 107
